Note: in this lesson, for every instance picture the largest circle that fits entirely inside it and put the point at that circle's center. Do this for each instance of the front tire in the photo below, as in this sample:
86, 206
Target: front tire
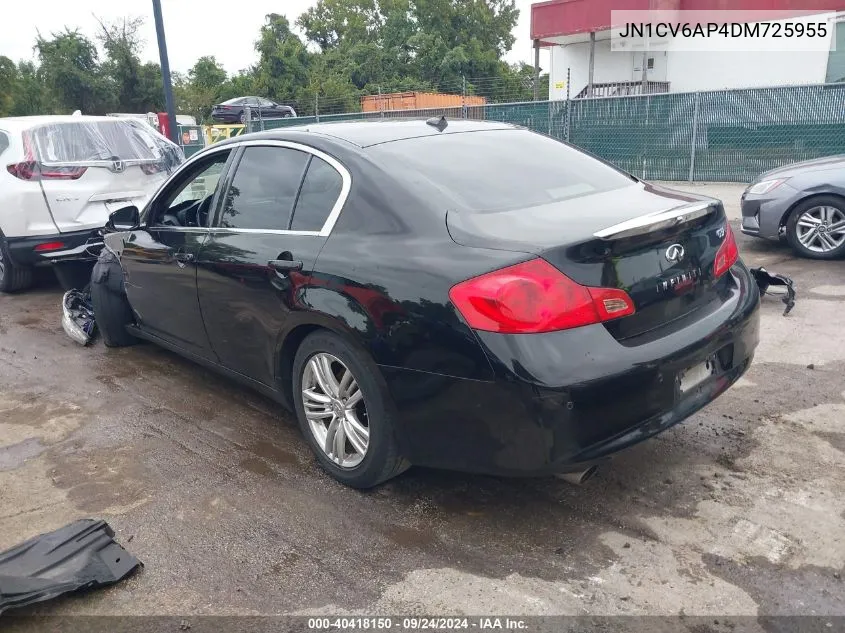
12, 277
816, 228
112, 312
344, 412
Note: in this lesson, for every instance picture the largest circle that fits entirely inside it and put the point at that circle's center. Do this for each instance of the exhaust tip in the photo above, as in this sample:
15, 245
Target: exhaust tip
580, 477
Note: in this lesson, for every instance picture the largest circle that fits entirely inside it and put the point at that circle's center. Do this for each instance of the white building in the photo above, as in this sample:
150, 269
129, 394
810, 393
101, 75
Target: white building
573, 29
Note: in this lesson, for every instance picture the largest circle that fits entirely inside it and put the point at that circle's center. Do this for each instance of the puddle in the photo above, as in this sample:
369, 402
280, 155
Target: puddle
274, 453
257, 466
13, 456
409, 537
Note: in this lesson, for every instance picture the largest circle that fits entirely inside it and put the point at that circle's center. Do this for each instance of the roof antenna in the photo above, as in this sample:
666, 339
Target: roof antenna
440, 123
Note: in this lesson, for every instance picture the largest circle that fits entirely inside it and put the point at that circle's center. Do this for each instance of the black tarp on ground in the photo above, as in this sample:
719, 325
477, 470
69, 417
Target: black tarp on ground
82, 555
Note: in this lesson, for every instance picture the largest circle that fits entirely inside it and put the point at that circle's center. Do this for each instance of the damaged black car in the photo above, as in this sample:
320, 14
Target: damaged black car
454, 294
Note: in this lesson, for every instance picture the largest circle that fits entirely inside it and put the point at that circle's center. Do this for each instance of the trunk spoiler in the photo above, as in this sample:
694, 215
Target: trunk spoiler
658, 221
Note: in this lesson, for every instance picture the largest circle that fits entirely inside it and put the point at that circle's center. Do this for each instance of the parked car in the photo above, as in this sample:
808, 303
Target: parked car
63, 176
234, 110
463, 295
802, 203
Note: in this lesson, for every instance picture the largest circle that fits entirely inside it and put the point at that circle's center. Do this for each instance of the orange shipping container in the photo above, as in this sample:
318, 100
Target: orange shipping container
417, 101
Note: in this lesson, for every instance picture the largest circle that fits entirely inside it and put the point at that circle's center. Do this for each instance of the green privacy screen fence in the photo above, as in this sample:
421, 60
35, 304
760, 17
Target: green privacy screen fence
727, 135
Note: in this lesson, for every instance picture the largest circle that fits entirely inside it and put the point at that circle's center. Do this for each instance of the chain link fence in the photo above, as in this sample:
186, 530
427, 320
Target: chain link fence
727, 136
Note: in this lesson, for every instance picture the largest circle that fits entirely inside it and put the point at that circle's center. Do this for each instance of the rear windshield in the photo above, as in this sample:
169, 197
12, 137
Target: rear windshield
498, 170
80, 141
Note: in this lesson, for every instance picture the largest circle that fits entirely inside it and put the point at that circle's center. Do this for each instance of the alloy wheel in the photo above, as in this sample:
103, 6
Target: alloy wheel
335, 410
821, 229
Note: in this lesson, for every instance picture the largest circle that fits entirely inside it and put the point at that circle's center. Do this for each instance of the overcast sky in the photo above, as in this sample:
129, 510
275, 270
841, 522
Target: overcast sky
193, 28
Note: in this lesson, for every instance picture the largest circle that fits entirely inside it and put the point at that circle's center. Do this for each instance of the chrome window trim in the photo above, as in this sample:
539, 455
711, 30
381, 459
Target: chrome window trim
334, 214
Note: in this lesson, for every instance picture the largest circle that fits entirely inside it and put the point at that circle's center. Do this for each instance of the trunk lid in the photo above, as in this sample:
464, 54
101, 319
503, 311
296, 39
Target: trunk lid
88, 167
88, 201
656, 244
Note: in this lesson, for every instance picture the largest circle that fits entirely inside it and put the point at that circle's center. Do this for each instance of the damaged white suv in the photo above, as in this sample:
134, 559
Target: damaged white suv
60, 179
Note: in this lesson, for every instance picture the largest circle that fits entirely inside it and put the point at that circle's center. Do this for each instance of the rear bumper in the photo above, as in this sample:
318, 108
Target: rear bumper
574, 397
76, 245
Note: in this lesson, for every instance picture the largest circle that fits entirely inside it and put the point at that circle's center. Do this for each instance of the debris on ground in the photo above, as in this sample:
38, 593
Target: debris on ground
765, 280
78, 316
79, 556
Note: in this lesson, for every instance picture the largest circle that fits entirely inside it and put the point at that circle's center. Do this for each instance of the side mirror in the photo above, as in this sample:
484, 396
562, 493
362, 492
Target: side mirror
124, 219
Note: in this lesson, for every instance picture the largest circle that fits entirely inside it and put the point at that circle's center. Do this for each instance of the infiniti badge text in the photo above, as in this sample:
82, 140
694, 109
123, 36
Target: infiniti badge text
681, 281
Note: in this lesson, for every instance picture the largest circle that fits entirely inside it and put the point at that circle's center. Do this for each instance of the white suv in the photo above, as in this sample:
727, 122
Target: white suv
61, 177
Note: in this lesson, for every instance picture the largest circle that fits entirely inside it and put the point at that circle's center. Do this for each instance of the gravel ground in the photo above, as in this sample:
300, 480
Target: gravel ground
738, 511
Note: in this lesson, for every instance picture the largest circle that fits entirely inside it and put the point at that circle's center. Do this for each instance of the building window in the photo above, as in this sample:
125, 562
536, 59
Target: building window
836, 59
650, 63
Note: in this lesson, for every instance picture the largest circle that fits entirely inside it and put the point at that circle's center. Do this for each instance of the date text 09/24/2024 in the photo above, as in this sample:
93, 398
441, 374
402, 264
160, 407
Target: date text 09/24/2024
415, 624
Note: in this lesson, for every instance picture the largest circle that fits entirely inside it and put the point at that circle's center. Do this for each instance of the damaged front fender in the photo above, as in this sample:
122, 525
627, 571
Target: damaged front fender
82, 555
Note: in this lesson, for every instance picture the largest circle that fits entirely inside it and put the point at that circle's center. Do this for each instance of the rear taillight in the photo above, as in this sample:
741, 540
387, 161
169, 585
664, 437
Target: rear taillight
152, 168
25, 170
535, 297
49, 246
727, 254
31, 170
61, 173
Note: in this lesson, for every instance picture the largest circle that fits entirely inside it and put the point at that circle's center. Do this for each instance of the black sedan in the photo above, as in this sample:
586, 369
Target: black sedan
462, 295
235, 110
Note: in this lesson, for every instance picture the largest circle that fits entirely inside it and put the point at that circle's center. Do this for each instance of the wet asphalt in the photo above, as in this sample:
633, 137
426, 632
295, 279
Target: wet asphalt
738, 511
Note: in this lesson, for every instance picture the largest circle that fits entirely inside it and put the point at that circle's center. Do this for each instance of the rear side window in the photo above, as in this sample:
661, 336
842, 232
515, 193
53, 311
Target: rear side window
498, 170
4, 142
263, 191
320, 191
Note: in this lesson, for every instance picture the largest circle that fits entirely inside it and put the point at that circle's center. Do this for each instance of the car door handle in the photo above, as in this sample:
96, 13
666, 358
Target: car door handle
183, 258
285, 265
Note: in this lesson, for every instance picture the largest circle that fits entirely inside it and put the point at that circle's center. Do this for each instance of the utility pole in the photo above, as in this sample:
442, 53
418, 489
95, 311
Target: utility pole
165, 72
537, 70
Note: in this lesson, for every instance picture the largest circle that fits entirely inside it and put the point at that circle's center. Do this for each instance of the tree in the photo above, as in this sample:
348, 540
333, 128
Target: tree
8, 85
134, 87
282, 69
434, 43
69, 69
201, 89
29, 95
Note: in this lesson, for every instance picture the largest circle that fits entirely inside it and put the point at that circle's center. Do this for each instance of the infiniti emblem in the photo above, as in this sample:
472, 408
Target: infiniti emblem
675, 253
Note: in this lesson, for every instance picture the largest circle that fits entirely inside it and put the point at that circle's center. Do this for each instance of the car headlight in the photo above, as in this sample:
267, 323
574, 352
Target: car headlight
765, 186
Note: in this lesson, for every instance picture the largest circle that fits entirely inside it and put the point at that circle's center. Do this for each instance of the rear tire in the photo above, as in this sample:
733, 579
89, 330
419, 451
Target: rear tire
12, 277
805, 215
111, 307
381, 459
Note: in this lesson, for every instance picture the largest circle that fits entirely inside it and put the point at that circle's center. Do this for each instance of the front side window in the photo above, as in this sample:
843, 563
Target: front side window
263, 191
188, 202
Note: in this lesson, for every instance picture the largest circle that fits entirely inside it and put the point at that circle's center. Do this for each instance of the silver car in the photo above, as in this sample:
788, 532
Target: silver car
802, 203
